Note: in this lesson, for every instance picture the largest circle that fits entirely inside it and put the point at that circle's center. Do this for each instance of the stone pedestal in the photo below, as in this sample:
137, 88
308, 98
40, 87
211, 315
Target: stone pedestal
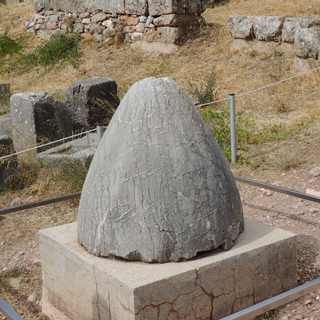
79, 285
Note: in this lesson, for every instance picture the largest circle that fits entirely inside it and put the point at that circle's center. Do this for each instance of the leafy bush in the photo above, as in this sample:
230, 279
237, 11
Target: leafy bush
9, 45
205, 94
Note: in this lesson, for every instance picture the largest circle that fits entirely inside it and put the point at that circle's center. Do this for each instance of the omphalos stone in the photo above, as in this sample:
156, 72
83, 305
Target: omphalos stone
159, 188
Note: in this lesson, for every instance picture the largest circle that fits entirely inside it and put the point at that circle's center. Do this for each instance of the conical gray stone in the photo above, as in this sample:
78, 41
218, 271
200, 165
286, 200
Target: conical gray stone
159, 188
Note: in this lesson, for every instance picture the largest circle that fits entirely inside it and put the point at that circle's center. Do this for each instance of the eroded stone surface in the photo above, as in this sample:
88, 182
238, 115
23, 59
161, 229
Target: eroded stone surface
291, 25
241, 27
159, 187
307, 43
92, 101
160, 7
267, 27
37, 118
80, 285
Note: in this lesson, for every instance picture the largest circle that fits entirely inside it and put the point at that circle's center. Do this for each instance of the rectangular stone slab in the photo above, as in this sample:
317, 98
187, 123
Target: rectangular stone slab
79, 285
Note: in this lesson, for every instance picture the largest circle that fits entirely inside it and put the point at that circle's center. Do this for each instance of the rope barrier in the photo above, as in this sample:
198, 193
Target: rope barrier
47, 144
258, 89
198, 106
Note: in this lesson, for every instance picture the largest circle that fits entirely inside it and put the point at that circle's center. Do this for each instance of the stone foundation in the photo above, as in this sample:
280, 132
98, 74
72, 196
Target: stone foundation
276, 33
79, 285
115, 28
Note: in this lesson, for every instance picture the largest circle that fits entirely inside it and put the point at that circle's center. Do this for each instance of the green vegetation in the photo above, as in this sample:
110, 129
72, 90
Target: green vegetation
12, 273
9, 46
206, 93
247, 131
60, 50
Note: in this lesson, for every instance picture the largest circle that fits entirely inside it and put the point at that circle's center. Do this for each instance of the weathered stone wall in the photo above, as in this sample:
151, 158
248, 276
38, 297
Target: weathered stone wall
117, 21
300, 35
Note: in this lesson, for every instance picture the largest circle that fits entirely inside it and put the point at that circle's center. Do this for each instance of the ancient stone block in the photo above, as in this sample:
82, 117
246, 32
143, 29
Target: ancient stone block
37, 118
291, 25
241, 27
170, 34
132, 21
78, 285
98, 17
92, 101
136, 36
169, 20
165, 191
307, 43
139, 7
9, 165
262, 28
267, 27
160, 7
78, 28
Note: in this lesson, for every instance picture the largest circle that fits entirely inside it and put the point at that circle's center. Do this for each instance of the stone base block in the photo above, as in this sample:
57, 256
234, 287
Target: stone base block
78, 285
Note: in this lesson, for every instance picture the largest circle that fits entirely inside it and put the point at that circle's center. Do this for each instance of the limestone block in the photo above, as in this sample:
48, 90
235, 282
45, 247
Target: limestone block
139, 7
160, 7
170, 20
51, 26
164, 165
170, 34
267, 27
6, 125
9, 165
307, 43
92, 101
84, 15
241, 27
136, 36
78, 27
95, 28
132, 21
110, 32
98, 17
291, 25
78, 285
37, 118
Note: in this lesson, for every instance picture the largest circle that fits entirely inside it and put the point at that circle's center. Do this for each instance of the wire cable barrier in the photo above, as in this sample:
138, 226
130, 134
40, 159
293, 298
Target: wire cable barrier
47, 144
198, 106
258, 89
44, 202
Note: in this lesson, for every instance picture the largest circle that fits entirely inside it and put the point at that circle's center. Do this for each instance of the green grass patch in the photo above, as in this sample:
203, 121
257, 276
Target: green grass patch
9, 46
247, 131
60, 50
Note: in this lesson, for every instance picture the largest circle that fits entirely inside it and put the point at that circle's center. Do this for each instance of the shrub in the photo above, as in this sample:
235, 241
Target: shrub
205, 94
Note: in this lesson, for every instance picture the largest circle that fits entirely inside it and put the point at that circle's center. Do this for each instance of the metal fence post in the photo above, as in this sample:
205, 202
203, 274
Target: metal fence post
99, 131
233, 132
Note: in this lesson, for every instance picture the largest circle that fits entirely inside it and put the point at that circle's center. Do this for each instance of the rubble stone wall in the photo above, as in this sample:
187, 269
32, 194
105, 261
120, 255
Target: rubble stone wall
117, 21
